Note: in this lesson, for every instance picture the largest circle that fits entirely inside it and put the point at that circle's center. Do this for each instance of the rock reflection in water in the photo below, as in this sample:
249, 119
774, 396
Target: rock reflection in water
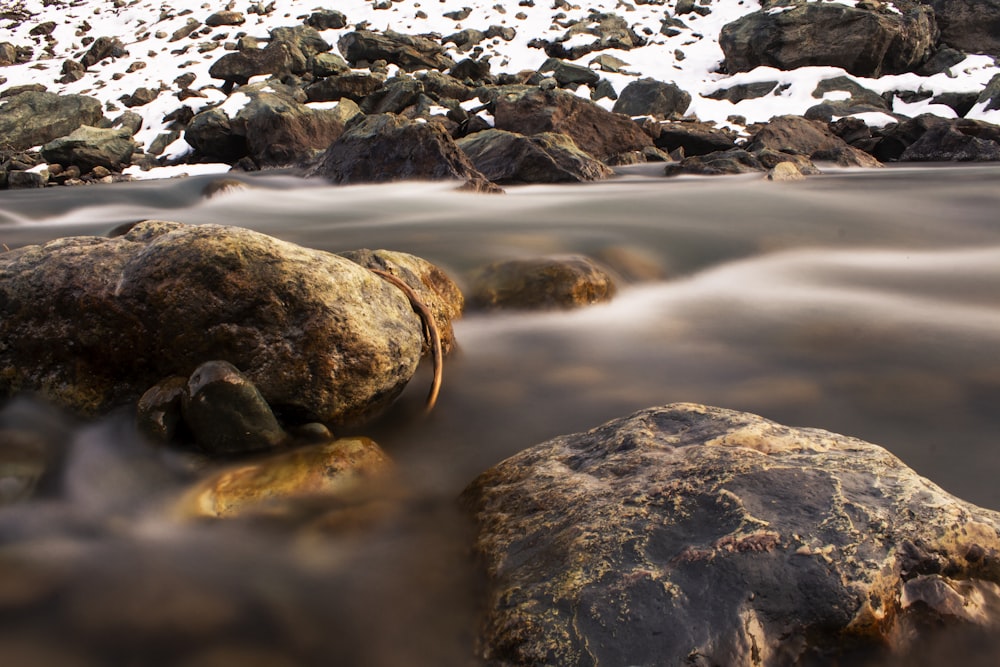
864, 303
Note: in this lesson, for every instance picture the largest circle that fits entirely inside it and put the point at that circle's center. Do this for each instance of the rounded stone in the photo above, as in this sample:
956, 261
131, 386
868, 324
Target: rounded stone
566, 281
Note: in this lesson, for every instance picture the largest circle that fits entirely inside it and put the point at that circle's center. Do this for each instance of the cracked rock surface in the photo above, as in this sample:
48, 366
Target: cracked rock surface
693, 535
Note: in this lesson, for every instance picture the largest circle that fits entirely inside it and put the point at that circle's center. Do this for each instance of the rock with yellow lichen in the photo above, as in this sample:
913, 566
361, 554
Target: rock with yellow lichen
692, 535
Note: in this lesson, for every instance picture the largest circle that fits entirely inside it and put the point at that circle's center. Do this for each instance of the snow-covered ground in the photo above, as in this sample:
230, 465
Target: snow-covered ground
690, 58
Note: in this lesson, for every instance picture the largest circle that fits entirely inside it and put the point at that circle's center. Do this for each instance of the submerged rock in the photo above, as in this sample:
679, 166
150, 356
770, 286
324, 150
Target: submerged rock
328, 469
543, 282
91, 323
695, 535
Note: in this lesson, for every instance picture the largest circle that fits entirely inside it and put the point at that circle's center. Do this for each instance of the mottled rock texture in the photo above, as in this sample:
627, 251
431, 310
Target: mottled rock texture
548, 157
863, 42
538, 283
91, 323
34, 118
692, 535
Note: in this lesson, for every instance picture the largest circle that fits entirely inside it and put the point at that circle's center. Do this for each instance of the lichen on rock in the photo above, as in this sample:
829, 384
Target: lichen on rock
689, 534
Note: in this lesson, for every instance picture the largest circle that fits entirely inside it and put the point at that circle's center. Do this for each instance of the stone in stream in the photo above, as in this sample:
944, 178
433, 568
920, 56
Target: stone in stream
568, 281
688, 534
548, 157
91, 323
329, 469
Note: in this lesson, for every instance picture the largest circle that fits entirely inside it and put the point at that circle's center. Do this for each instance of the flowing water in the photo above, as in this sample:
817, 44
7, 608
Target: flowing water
863, 302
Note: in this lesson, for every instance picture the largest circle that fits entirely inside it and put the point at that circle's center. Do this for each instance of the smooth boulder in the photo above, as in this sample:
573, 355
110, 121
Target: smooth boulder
541, 283
88, 147
688, 534
863, 42
91, 323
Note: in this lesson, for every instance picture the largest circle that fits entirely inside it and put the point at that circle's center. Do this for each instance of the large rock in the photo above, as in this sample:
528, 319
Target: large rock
693, 138
508, 157
541, 283
91, 323
649, 97
211, 133
863, 42
972, 26
960, 140
800, 136
386, 147
610, 30
411, 52
354, 86
88, 147
691, 535
101, 49
433, 286
34, 118
599, 132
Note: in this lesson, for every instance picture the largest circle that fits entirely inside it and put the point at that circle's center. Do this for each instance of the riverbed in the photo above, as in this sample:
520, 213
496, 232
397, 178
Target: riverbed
865, 302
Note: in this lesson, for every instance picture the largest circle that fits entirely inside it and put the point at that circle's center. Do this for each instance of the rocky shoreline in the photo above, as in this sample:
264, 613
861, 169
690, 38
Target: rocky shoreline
295, 97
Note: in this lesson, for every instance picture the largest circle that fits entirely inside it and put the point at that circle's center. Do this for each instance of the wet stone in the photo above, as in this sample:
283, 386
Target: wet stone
567, 281
227, 414
159, 411
687, 534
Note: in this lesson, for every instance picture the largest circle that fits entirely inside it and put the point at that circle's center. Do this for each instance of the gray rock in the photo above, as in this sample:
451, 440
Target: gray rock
327, 19
610, 30
508, 157
329, 64
693, 138
863, 42
718, 163
972, 26
396, 95
743, 91
990, 97
695, 535
541, 283
211, 133
959, 140
27, 180
800, 136
649, 97
385, 147
354, 86
101, 49
321, 338
36, 117
568, 75
226, 414
594, 130
88, 147
411, 52
225, 18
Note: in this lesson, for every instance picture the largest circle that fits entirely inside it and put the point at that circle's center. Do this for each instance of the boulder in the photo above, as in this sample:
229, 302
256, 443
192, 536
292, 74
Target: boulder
88, 147
610, 30
960, 140
649, 97
354, 86
541, 283
800, 136
411, 52
568, 75
863, 42
989, 98
396, 95
972, 26
894, 139
237, 67
432, 285
386, 147
691, 535
718, 163
743, 91
595, 130
211, 133
225, 17
327, 19
91, 323
280, 131
693, 138
331, 469
101, 49
508, 157
34, 118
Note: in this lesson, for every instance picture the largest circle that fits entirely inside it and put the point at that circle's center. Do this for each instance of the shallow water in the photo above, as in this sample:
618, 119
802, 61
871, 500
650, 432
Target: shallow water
863, 302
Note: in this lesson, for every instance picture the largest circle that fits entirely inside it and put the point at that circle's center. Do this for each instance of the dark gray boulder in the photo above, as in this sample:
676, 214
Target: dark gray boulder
34, 118
972, 26
91, 323
541, 283
718, 163
990, 97
354, 86
508, 157
101, 49
863, 42
211, 133
693, 138
960, 140
88, 147
800, 136
385, 147
692, 535
609, 30
649, 97
411, 52
327, 19
601, 133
